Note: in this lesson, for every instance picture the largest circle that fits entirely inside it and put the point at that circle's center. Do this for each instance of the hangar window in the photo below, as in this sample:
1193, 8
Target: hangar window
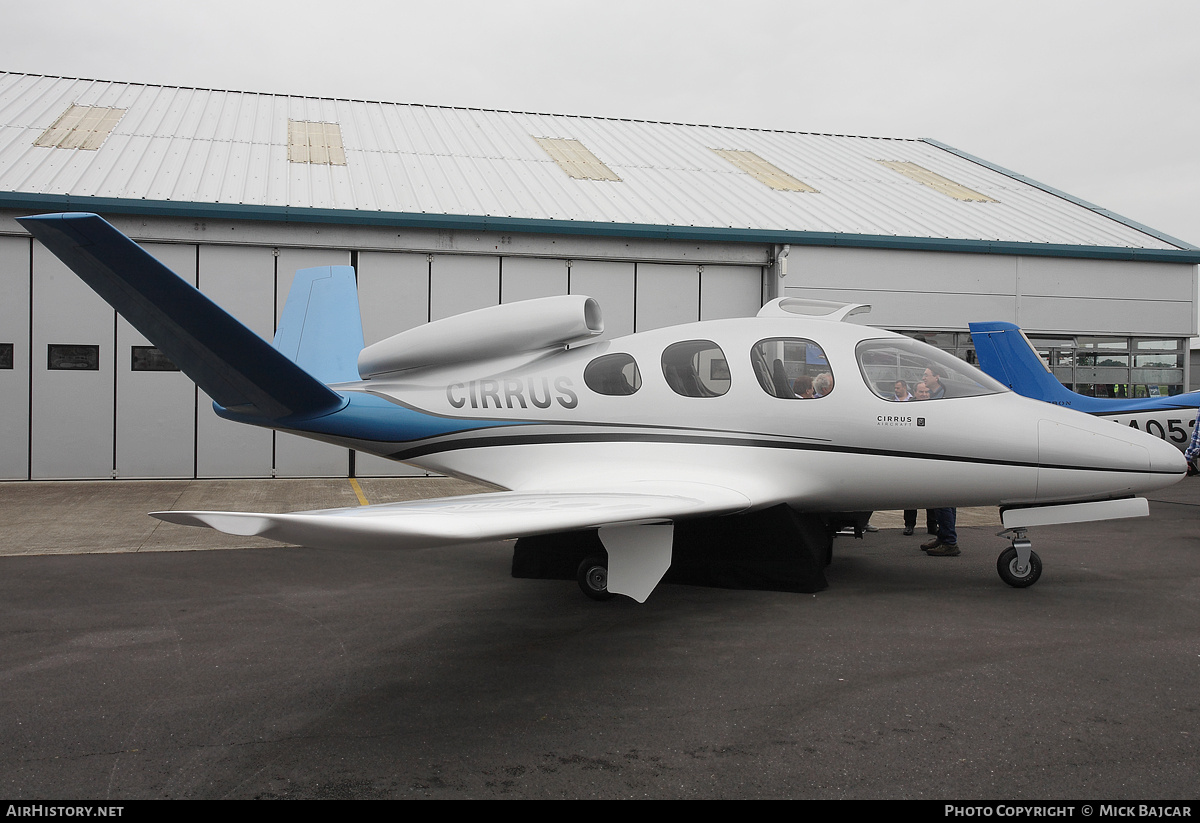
81, 127
883, 362
766, 173
317, 143
791, 368
613, 374
935, 181
574, 158
696, 368
62, 357
149, 358
6, 355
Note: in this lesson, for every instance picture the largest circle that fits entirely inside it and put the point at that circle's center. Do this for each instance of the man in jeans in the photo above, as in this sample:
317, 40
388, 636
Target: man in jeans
945, 544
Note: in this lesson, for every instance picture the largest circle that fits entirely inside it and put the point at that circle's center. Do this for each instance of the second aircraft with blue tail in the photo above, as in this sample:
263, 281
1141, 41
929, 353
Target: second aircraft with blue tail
1006, 354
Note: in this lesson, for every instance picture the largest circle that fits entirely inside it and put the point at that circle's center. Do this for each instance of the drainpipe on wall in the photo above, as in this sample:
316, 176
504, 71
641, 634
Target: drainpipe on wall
774, 274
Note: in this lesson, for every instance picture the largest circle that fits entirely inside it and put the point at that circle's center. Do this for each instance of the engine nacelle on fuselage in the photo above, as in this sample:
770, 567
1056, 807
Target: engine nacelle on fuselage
497, 331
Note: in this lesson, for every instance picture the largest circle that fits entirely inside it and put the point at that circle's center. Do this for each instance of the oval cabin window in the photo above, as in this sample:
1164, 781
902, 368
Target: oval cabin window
613, 374
696, 368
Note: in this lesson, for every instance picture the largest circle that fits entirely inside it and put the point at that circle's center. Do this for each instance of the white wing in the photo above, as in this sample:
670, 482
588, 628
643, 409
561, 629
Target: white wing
638, 553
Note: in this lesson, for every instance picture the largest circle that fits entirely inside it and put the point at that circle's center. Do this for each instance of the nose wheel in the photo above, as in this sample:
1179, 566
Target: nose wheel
1018, 565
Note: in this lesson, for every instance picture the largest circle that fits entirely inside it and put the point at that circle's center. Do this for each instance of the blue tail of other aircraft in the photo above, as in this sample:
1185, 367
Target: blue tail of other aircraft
1006, 355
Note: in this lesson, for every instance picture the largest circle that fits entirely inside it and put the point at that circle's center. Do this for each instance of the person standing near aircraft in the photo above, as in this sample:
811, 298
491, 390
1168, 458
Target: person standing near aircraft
1193, 450
945, 543
903, 395
938, 522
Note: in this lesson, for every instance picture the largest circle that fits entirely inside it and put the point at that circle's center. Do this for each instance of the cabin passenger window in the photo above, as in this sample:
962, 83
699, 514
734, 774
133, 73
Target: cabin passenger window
613, 374
696, 368
791, 368
886, 363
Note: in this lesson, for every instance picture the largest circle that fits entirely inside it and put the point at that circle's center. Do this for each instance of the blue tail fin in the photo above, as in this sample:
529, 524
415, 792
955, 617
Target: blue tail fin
1006, 355
233, 365
321, 327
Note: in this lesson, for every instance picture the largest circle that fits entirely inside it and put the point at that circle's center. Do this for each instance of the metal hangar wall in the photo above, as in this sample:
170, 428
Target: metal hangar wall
441, 210
84, 399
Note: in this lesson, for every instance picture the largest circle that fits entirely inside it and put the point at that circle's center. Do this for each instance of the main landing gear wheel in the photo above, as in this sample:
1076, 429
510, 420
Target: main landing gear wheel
593, 578
1016, 575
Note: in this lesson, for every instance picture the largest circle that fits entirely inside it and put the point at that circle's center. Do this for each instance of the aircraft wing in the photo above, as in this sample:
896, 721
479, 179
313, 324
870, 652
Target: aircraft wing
630, 520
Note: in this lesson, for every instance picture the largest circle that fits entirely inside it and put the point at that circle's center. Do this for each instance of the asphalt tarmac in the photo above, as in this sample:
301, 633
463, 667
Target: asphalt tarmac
144, 669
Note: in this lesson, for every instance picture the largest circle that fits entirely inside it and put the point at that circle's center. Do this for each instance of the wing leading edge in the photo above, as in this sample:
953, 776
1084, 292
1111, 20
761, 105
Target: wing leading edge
635, 565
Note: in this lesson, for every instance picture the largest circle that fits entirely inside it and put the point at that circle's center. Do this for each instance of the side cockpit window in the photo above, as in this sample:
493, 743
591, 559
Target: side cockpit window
902, 369
696, 368
791, 368
613, 374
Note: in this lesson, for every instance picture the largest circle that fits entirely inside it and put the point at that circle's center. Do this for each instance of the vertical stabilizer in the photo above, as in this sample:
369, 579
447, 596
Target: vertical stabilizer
321, 327
1005, 354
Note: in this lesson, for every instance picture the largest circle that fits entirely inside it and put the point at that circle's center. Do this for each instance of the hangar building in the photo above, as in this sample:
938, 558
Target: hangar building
441, 210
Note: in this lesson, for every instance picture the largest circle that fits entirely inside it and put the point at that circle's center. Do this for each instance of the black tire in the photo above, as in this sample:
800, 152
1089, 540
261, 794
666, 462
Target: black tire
1014, 576
593, 578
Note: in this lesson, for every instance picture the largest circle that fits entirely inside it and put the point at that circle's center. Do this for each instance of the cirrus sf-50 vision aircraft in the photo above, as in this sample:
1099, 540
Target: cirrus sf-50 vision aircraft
634, 439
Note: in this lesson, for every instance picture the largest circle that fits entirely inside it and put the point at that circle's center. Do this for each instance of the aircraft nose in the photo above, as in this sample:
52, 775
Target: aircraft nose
1166, 458
1085, 457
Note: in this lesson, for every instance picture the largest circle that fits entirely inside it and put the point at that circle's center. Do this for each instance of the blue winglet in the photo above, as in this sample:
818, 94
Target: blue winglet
234, 366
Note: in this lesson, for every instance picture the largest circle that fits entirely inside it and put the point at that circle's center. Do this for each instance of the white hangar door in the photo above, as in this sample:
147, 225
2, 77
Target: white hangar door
241, 280
74, 331
14, 358
297, 456
155, 402
398, 291
669, 294
393, 294
611, 284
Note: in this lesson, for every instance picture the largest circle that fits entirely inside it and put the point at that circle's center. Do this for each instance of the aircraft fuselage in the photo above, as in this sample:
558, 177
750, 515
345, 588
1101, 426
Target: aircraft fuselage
539, 424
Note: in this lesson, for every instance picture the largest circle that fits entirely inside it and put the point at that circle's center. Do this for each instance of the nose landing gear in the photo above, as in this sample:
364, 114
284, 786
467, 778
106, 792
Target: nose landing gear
1018, 565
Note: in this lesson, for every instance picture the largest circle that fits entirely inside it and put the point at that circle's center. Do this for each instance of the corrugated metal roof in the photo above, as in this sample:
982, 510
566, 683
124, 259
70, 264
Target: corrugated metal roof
228, 148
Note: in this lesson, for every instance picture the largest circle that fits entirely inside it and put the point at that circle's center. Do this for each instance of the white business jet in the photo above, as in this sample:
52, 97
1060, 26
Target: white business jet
627, 437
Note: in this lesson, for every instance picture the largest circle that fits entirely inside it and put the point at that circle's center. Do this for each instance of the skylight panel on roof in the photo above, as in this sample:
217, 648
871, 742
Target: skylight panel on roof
319, 143
935, 181
766, 173
81, 127
575, 159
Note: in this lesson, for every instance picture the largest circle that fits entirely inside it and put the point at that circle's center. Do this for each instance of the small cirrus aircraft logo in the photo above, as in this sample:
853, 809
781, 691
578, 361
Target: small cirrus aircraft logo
899, 420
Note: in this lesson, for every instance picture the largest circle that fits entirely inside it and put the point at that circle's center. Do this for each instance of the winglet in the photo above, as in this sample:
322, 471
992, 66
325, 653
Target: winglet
233, 365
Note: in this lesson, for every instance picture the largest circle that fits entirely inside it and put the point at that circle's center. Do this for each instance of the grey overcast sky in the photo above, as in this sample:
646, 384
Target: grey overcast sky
1094, 97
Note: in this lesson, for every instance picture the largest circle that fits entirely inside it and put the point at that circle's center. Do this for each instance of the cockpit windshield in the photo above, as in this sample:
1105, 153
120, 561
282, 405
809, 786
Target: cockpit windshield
903, 369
